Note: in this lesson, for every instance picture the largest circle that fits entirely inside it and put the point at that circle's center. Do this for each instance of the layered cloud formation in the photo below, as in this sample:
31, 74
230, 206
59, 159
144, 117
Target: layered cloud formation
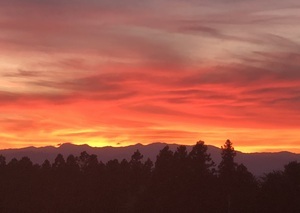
122, 72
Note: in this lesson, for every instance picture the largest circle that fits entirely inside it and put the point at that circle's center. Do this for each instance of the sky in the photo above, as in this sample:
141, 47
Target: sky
116, 73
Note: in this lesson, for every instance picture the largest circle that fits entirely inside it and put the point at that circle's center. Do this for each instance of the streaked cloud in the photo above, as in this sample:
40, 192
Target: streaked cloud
110, 72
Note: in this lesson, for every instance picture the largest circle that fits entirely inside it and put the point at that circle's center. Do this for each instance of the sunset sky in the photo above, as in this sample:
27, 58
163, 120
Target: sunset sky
124, 72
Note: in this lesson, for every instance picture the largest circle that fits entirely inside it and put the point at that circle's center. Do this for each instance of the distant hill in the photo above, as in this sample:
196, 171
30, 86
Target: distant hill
257, 163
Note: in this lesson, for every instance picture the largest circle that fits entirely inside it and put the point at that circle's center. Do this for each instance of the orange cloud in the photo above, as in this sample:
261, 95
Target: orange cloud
111, 73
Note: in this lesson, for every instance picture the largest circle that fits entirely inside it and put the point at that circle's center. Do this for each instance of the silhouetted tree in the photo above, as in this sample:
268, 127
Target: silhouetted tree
292, 171
25, 163
202, 179
181, 155
13, 163
59, 162
181, 178
238, 184
200, 160
164, 164
88, 163
227, 168
136, 164
245, 191
163, 188
136, 167
46, 165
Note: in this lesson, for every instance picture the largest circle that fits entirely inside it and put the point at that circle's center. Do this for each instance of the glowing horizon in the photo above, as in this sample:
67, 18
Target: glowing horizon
112, 73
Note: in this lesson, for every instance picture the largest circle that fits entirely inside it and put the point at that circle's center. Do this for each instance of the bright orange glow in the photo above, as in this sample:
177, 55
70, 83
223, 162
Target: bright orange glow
107, 74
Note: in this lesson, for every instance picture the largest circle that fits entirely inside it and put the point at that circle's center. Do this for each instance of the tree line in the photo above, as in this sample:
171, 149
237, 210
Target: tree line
178, 181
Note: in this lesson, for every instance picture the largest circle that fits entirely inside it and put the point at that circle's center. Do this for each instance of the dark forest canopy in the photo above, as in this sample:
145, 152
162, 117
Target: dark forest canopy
178, 181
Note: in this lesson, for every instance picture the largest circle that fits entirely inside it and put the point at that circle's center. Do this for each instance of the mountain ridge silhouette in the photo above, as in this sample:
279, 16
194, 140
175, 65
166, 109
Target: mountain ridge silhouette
258, 163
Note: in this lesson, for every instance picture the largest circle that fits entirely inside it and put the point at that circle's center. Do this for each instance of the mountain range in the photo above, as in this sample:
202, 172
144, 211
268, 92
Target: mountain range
257, 163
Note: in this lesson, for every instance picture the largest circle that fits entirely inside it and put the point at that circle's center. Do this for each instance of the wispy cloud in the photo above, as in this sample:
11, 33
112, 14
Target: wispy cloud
139, 71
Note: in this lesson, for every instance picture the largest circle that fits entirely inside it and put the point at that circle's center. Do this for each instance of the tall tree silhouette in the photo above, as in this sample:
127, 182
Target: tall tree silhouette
164, 162
227, 165
136, 164
136, 170
227, 168
245, 191
46, 165
202, 180
59, 162
88, 163
163, 187
71, 164
181, 162
200, 160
